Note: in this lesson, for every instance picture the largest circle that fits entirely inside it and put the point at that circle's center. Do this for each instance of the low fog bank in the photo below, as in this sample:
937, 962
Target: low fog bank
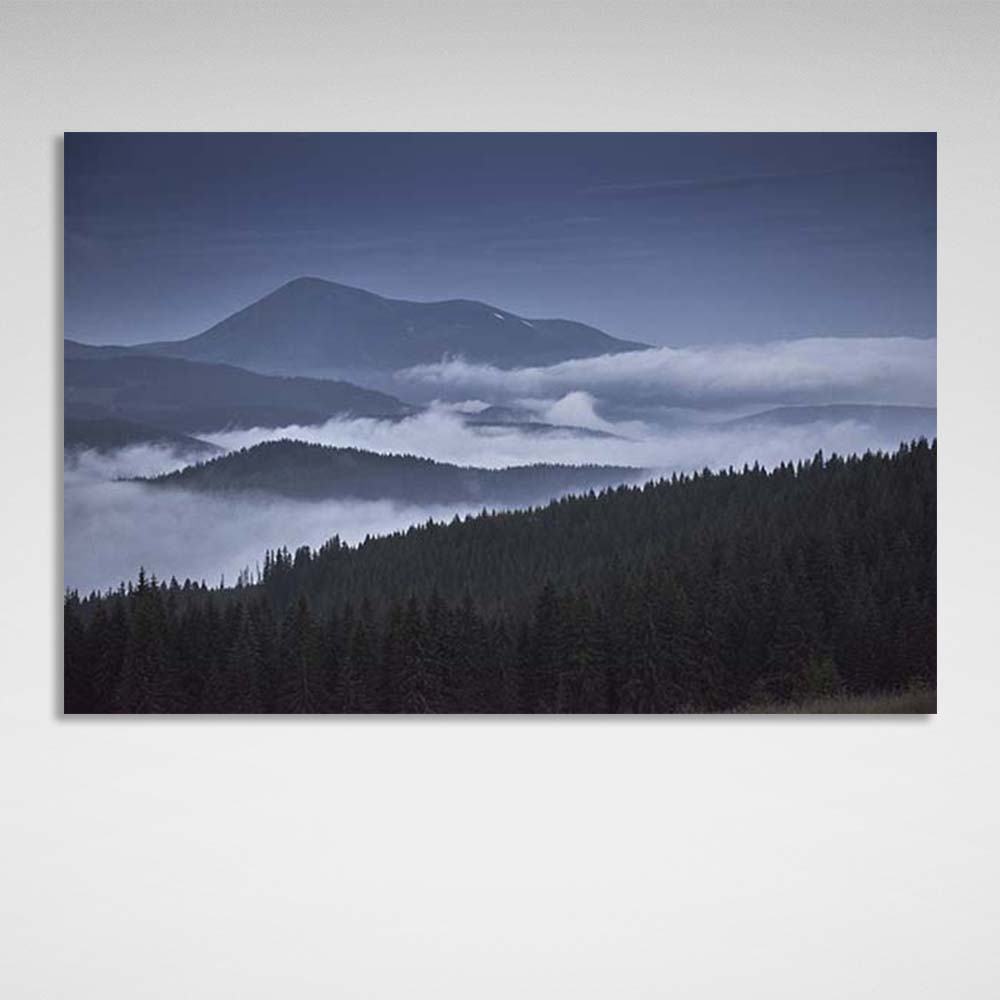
811, 370
90, 465
113, 528
442, 434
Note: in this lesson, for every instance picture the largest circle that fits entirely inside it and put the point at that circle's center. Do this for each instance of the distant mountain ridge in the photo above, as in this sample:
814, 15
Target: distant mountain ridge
906, 421
106, 434
304, 471
315, 326
74, 350
188, 397
516, 419
119, 396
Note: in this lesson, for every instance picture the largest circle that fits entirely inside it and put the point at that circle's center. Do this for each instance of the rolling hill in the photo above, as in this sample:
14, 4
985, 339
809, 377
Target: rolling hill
317, 472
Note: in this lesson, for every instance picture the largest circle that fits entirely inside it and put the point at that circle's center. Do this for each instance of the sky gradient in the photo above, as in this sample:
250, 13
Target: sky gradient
674, 239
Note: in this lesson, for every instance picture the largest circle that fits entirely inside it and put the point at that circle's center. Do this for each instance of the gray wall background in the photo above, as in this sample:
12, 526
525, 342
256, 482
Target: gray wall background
699, 858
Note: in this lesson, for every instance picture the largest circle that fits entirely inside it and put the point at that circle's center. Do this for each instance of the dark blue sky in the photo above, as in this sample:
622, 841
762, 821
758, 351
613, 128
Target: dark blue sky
669, 238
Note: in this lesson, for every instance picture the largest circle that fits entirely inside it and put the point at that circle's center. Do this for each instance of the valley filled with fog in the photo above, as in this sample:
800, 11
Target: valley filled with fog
658, 412
113, 527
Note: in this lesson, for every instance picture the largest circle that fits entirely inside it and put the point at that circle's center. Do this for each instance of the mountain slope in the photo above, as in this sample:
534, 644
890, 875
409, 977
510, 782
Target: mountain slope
310, 325
109, 434
186, 396
317, 472
77, 351
906, 422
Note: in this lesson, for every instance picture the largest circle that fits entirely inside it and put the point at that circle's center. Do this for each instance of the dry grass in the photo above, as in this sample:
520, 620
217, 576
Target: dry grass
914, 702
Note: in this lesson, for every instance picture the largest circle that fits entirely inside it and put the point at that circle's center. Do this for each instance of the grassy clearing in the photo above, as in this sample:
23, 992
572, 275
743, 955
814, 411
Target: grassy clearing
915, 702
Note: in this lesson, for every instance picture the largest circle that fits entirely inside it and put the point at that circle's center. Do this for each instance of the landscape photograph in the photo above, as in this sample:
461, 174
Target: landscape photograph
500, 423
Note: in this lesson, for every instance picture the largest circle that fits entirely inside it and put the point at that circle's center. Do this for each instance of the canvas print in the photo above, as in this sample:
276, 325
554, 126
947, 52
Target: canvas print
499, 423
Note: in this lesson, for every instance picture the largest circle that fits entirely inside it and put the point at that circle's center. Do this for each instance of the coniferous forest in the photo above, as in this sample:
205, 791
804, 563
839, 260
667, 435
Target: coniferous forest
711, 592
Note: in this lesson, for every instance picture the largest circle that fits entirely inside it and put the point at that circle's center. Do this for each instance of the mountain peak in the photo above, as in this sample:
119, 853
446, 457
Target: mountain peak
304, 281
312, 325
311, 283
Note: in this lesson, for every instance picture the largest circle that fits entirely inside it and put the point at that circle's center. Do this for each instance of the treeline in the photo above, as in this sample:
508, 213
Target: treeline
701, 593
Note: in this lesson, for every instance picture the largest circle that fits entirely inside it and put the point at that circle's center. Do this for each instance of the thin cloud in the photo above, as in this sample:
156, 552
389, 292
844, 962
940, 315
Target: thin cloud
897, 370
723, 182
443, 434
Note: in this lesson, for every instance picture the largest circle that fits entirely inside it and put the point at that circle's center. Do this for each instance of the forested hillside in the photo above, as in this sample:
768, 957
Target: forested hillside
317, 472
703, 593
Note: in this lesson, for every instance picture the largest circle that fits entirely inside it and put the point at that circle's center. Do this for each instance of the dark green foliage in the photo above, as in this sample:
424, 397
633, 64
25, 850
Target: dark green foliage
303, 682
317, 472
704, 593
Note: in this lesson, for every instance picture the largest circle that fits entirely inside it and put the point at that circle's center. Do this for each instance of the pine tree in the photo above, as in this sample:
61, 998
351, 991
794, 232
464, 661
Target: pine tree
417, 690
145, 682
545, 652
245, 667
78, 689
358, 686
302, 688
